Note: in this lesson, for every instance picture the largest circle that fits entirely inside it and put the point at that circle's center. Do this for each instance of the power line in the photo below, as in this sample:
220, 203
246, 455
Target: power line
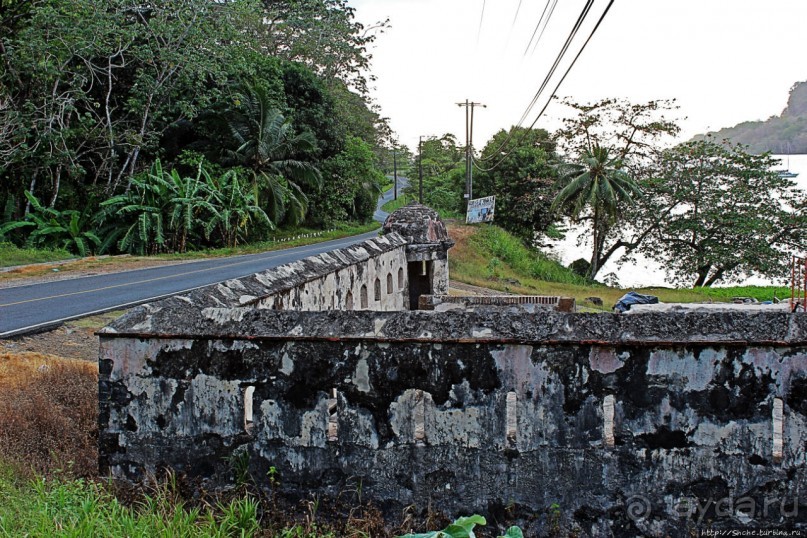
515, 17
481, 18
564, 49
513, 24
543, 13
551, 11
557, 86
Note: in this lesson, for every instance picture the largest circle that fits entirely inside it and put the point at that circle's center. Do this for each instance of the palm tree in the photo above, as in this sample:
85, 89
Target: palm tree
600, 183
266, 145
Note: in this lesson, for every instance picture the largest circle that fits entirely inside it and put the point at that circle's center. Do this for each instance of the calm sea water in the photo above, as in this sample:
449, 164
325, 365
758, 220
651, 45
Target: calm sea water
645, 271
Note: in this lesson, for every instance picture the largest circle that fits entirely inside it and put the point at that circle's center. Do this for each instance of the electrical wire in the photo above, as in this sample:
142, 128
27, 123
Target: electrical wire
557, 86
515, 17
551, 11
564, 49
481, 18
534, 32
513, 24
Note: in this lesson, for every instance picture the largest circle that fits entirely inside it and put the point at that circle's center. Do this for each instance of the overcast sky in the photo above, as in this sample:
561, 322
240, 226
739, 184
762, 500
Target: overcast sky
725, 61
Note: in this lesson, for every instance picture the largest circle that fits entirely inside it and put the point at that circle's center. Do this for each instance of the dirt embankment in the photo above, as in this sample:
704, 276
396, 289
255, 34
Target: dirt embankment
74, 340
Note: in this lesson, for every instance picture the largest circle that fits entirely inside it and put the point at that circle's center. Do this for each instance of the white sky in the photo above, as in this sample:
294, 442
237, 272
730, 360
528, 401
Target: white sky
725, 61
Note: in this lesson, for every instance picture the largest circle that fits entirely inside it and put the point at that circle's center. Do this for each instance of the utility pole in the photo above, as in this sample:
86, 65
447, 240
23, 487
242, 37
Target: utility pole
420, 169
469, 146
395, 169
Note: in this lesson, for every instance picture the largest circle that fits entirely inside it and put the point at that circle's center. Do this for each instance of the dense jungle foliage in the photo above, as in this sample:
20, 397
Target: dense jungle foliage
150, 127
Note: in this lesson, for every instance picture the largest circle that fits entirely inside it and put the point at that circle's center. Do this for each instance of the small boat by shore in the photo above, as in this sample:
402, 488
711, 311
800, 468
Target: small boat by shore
787, 174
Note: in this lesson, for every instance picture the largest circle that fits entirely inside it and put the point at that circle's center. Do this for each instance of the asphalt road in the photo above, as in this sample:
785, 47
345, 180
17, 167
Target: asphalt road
32, 308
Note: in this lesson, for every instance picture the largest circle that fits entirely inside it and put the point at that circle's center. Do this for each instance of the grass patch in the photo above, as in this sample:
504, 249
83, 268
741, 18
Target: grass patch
402, 200
11, 255
59, 506
507, 249
760, 293
63, 507
489, 257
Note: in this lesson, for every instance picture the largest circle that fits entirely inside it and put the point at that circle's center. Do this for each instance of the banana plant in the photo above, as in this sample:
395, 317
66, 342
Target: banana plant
51, 228
234, 209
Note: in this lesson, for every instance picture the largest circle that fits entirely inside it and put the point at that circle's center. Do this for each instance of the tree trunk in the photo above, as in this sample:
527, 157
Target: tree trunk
31, 190
56, 183
703, 272
594, 268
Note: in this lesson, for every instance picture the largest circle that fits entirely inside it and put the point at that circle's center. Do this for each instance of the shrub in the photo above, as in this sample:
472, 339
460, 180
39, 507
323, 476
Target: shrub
48, 413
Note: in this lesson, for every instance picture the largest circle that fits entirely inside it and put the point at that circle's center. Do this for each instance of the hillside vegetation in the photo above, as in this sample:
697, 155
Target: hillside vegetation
783, 134
490, 257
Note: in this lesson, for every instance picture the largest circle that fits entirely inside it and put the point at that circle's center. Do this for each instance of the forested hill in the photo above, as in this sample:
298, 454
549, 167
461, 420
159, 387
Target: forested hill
786, 133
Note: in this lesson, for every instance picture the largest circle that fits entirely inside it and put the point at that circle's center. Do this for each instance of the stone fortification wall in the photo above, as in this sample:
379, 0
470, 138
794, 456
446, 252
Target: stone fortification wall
371, 275
628, 425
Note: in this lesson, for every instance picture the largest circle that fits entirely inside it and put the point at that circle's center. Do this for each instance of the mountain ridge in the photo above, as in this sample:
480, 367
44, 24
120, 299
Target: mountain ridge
782, 134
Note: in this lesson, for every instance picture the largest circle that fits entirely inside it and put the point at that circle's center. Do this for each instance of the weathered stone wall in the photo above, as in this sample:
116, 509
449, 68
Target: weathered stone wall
629, 424
371, 275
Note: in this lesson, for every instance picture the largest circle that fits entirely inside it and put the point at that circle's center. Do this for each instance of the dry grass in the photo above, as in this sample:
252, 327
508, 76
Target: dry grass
48, 413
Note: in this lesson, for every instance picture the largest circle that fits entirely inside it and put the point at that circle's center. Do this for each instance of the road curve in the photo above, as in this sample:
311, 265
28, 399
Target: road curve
36, 307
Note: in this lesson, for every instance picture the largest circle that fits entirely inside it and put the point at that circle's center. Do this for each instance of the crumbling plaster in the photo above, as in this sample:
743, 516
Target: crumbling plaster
422, 407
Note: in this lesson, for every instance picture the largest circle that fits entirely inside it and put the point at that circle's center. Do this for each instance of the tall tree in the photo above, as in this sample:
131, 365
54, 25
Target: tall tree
351, 185
441, 161
614, 134
323, 35
717, 213
600, 184
523, 180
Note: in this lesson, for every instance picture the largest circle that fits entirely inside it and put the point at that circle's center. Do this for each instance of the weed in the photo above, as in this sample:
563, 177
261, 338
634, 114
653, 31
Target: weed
239, 464
239, 517
274, 476
553, 517
493, 267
